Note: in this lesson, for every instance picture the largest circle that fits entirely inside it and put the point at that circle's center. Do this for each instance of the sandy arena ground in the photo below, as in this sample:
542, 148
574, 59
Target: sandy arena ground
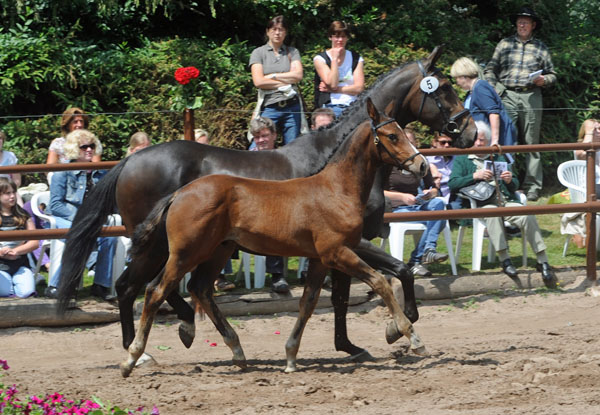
530, 352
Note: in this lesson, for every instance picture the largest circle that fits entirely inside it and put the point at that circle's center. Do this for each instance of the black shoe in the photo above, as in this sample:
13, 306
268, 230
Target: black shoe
546, 270
279, 284
532, 196
303, 275
101, 292
51, 292
509, 269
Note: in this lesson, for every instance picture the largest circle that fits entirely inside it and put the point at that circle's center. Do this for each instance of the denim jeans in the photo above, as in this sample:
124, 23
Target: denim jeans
21, 284
433, 228
288, 120
104, 263
337, 109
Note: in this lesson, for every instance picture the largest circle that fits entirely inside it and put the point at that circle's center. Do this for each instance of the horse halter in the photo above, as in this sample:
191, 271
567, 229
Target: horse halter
451, 126
380, 145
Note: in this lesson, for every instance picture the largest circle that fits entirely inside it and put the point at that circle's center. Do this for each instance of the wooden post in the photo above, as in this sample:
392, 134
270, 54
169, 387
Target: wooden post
591, 216
188, 124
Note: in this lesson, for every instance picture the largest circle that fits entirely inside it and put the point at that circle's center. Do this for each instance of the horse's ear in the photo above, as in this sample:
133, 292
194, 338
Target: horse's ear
429, 63
389, 110
372, 111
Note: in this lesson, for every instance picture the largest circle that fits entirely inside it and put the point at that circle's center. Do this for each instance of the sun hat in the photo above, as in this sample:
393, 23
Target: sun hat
526, 12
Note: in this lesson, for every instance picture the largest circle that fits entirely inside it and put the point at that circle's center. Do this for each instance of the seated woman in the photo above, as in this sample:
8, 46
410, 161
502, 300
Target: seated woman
573, 223
67, 191
16, 279
137, 142
402, 190
470, 169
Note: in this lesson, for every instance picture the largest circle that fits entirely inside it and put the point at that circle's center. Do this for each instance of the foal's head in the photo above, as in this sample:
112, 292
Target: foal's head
393, 145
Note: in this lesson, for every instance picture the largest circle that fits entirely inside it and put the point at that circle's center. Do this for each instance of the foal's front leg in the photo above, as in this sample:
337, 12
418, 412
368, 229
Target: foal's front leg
348, 262
308, 302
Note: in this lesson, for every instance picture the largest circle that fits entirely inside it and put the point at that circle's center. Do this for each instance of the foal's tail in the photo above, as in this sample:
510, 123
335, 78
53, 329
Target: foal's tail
81, 238
144, 233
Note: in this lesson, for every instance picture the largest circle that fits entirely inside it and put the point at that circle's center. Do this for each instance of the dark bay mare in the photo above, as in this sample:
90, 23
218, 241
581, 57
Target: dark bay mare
139, 181
319, 217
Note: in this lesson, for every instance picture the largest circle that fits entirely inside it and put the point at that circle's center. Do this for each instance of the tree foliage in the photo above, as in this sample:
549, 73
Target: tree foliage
116, 59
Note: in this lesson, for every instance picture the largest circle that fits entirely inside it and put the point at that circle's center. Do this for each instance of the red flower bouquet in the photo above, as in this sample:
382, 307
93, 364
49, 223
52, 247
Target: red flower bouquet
189, 94
185, 75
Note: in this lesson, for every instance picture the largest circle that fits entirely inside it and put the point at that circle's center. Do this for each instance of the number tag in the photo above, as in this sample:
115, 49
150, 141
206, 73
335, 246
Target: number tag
429, 84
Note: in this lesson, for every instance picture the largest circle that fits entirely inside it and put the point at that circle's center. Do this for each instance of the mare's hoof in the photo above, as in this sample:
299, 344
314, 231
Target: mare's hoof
187, 332
291, 368
420, 351
392, 334
362, 357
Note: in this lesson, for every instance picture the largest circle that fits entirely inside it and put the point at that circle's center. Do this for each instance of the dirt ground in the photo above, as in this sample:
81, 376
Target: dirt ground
533, 352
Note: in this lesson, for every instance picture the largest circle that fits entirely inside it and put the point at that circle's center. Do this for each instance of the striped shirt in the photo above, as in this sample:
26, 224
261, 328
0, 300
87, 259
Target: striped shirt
514, 60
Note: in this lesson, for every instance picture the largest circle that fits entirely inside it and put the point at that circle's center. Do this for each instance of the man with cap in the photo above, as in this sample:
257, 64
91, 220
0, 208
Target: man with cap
520, 67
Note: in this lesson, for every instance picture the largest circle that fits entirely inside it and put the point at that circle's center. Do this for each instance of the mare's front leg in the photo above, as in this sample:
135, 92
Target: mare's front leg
156, 293
308, 302
348, 262
340, 294
201, 289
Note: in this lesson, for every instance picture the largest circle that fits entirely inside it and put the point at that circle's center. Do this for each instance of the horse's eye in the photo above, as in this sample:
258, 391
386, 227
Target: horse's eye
393, 137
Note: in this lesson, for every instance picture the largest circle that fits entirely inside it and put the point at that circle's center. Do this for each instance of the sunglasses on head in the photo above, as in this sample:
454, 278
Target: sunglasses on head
86, 146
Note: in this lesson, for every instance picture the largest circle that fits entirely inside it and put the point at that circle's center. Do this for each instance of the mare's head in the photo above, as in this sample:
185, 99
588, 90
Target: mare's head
393, 146
432, 101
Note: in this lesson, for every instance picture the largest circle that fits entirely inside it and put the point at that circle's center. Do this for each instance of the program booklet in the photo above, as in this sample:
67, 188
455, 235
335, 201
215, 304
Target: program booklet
534, 75
501, 166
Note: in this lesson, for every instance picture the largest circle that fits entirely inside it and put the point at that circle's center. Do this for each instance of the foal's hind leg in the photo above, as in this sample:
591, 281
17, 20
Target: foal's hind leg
156, 293
348, 262
308, 302
201, 289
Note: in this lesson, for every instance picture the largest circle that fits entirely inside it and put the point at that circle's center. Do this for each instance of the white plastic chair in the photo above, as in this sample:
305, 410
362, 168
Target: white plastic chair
479, 228
398, 230
57, 246
572, 175
260, 266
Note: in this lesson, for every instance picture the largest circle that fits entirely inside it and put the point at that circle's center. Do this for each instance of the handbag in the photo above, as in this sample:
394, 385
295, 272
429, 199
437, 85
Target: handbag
482, 192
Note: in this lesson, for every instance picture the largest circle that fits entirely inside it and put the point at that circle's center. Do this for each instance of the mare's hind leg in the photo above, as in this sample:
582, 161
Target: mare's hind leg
348, 262
201, 289
156, 293
308, 302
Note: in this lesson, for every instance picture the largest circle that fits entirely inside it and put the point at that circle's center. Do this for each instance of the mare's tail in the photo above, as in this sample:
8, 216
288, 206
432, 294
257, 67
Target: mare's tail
85, 229
144, 233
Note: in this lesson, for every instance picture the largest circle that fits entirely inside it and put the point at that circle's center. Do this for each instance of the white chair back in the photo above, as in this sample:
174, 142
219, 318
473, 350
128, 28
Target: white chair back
572, 175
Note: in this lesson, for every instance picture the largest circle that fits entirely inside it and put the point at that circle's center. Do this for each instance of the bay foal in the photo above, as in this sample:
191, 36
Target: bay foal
317, 217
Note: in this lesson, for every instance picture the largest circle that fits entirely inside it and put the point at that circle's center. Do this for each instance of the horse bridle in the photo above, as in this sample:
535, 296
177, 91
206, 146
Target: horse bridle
380, 145
451, 126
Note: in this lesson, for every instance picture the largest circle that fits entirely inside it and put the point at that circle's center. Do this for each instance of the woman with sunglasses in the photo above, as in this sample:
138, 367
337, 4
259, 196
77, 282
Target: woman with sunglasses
483, 102
67, 191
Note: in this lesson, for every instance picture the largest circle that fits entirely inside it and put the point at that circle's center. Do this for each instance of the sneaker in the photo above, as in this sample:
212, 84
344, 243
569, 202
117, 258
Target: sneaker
222, 284
420, 270
431, 256
51, 292
279, 284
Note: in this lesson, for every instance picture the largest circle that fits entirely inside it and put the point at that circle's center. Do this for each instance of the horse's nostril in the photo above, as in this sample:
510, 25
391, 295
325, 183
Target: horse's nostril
423, 169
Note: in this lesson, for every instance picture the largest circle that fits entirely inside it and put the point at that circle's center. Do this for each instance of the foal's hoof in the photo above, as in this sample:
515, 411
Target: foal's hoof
241, 363
291, 368
421, 351
187, 332
392, 334
362, 357
126, 369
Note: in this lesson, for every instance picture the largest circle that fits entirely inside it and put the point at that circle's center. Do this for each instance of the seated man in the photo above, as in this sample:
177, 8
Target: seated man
321, 117
468, 170
402, 189
264, 136
441, 167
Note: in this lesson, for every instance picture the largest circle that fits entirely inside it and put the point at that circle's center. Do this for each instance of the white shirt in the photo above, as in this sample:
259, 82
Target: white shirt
346, 78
